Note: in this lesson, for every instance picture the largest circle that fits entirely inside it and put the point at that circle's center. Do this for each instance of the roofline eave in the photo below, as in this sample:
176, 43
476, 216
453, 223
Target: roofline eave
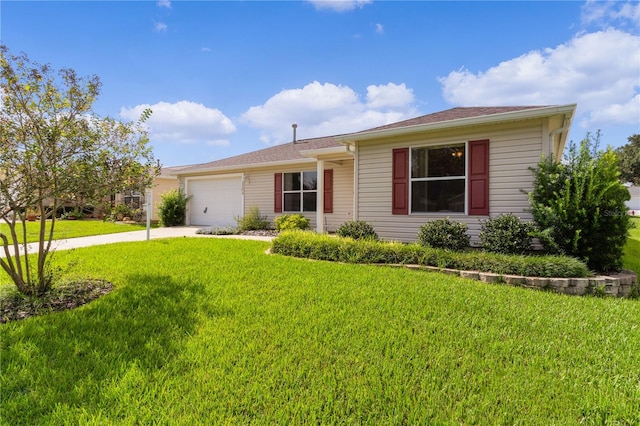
244, 167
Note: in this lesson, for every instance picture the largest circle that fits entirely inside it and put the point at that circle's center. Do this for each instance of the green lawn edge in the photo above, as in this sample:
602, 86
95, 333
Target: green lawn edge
218, 332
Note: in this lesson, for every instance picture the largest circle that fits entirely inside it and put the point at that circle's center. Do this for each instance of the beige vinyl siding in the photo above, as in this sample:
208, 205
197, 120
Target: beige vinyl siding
512, 150
342, 195
258, 191
162, 185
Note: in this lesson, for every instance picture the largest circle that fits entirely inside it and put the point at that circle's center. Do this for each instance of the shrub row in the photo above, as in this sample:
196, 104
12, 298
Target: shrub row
324, 247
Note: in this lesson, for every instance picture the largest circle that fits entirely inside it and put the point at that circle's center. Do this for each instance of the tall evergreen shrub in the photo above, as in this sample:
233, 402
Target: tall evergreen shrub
579, 205
173, 207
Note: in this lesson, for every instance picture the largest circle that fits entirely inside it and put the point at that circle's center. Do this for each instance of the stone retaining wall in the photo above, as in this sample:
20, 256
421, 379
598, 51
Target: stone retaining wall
621, 284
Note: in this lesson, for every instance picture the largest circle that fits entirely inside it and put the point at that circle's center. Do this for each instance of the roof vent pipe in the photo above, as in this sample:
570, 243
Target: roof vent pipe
294, 126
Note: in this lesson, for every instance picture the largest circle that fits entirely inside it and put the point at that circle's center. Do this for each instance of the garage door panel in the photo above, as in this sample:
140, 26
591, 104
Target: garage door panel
215, 202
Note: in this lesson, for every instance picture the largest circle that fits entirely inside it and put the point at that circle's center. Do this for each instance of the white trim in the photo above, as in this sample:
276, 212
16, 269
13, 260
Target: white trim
271, 164
465, 178
320, 197
315, 153
206, 177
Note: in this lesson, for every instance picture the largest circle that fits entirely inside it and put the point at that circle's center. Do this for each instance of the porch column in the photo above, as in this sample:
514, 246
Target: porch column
320, 197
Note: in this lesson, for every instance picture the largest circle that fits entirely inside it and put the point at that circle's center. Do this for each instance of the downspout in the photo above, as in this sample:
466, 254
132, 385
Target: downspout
553, 134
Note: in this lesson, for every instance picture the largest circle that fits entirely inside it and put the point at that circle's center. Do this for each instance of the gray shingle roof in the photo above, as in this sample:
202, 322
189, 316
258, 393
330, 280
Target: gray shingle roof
291, 151
285, 152
452, 114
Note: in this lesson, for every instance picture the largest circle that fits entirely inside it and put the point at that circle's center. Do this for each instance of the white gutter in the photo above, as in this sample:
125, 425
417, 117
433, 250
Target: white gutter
315, 153
470, 121
244, 167
552, 136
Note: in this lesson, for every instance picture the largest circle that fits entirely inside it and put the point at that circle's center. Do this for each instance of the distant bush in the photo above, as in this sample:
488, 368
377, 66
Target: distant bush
506, 234
173, 208
358, 230
290, 222
325, 247
444, 234
253, 221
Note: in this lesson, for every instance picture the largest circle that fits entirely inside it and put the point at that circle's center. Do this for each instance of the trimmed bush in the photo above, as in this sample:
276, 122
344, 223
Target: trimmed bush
579, 205
173, 208
358, 230
290, 222
253, 221
506, 234
325, 247
444, 234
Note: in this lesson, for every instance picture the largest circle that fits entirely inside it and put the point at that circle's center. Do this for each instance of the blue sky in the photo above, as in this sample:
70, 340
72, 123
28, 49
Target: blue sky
224, 78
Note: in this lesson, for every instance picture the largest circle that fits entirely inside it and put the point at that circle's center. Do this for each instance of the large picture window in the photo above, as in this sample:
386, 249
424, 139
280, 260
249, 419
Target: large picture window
438, 178
300, 191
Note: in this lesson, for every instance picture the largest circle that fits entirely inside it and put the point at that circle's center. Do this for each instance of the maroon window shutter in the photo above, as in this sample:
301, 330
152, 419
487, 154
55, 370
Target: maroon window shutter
328, 191
277, 193
479, 177
400, 181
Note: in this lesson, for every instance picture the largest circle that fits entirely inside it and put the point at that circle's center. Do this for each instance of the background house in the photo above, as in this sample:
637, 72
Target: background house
634, 203
464, 163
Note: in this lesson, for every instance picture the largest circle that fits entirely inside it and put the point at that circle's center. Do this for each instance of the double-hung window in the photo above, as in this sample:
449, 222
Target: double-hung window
438, 179
300, 191
133, 199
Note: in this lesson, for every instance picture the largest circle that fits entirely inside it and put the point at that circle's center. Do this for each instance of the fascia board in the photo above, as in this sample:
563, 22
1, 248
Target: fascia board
244, 167
568, 109
321, 152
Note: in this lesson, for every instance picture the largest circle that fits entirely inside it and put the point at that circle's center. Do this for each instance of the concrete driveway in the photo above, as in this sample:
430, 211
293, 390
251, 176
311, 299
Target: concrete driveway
155, 233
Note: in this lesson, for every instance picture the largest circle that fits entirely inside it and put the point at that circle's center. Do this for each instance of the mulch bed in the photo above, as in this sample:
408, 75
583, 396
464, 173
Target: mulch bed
14, 306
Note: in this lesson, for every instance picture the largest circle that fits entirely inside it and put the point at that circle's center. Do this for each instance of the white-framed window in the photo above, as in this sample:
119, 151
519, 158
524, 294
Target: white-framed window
300, 191
133, 199
438, 179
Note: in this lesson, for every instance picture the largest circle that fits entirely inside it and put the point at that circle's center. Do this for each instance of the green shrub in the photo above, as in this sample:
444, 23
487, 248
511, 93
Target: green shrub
325, 247
253, 221
506, 234
358, 230
579, 205
173, 208
290, 222
445, 234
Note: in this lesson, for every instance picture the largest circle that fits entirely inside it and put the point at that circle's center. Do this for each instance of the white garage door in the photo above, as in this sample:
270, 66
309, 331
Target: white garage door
216, 201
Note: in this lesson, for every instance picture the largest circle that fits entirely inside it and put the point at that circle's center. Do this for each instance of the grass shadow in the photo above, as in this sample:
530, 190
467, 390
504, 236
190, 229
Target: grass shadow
69, 358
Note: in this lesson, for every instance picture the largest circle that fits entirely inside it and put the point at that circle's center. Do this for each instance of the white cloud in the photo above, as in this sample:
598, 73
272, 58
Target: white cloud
327, 109
606, 13
160, 26
389, 95
205, 49
183, 122
628, 112
339, 5
218, 142
164, 3
379, 28
597, 70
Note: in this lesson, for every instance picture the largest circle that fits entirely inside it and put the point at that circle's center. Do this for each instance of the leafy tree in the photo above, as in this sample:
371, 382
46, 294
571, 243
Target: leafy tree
629, 160
54, 150
579, 205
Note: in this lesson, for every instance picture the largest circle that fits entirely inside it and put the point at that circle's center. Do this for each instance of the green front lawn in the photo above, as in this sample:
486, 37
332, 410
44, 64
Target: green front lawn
631, 258
72, 228
214, 331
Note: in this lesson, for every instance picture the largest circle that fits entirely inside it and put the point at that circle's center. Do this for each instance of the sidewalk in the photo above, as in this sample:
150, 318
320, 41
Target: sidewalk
155, 233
